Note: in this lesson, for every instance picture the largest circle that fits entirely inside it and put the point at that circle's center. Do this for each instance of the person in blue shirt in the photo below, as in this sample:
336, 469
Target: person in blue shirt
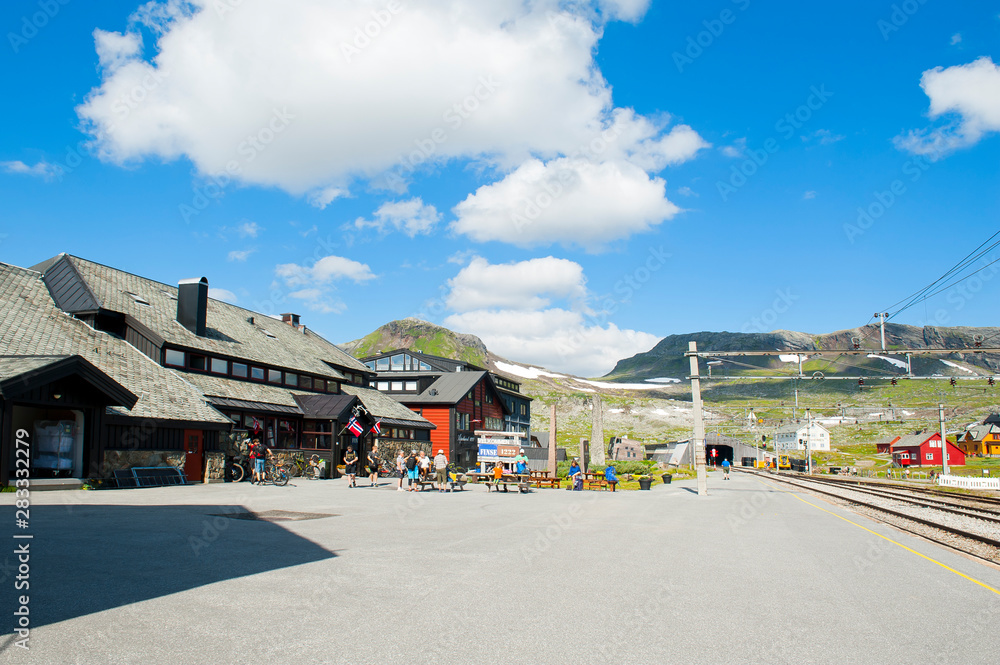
725, 469
576, 475
609, 475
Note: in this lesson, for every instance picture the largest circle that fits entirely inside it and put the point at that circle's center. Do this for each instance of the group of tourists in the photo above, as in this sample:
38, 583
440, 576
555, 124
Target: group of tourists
575, 474
415, 468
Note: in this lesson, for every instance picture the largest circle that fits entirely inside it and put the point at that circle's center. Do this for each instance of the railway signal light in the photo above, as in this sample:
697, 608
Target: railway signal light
861, 383
952, 382
990, 381
893, 381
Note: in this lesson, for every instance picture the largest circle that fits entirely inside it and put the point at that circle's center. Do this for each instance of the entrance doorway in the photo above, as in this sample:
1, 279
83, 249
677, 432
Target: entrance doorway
194, 455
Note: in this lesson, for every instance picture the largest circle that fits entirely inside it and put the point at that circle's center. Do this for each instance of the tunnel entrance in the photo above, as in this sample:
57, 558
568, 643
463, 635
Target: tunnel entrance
720, 451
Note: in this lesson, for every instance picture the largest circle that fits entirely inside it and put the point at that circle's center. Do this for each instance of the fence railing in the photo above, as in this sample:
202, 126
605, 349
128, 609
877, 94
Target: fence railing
969, 483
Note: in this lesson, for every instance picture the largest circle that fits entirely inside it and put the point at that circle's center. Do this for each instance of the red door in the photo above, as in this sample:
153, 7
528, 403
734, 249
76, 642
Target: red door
194, 455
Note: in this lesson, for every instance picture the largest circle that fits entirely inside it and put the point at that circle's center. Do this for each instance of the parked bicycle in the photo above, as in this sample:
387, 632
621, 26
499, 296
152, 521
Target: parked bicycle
238, 468
274, 474
301, 467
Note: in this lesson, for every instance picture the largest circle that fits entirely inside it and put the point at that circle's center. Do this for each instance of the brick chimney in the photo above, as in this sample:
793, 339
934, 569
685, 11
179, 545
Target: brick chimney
290, 319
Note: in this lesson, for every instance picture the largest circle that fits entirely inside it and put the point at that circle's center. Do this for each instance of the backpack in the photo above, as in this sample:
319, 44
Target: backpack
411, 463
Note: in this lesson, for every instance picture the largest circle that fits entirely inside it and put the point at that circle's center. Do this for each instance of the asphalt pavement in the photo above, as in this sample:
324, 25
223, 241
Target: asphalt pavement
751, 573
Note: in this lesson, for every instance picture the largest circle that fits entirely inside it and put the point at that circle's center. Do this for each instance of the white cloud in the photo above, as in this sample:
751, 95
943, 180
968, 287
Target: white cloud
735, 150
956, 38
412, 217
971, 93
115, 49
824, 136
811, 194
249, 229
324, 271
317, 300
687, 191
522, 285
285, 98
240, 255
572, 201
39, 170
553, 338
224, 295
325, 196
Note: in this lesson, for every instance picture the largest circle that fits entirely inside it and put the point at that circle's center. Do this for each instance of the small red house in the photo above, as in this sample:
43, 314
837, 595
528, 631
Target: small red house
886, 446
924, 450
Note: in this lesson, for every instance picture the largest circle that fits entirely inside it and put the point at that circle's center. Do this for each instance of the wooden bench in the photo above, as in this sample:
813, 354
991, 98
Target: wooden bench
545, 481
522, 485
455, 485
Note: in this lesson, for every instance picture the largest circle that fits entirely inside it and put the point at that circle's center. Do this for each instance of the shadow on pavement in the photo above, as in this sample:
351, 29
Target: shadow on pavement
87, 559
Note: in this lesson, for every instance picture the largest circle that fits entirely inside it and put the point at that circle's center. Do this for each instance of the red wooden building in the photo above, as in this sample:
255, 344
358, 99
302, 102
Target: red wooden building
458, 404
924, 450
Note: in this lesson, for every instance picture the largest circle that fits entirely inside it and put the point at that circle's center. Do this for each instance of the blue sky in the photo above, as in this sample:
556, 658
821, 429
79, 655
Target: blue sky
587, 195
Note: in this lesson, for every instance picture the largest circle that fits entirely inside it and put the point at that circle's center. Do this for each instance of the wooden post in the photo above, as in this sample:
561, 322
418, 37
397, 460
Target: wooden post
552, 441
597, 434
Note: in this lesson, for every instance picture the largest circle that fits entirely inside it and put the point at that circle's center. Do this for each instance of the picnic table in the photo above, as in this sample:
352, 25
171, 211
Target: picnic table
522, 481
456, 485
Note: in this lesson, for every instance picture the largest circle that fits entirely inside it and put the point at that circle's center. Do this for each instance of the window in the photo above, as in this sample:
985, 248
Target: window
929, 456
397, 385
197, 362
305, 382
220, 366
240, 370
317, 434
382, 365
269, 334
175, 358
257, 373
425, 367
489, 398
524, 409
291, 379
370, 364
464, 421
383, 385
274, 376
139, 299
411, 385
396, 363
494, 423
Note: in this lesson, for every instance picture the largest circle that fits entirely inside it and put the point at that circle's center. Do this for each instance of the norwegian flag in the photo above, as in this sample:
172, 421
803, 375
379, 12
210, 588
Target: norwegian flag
256, 426
377, 427
355, 427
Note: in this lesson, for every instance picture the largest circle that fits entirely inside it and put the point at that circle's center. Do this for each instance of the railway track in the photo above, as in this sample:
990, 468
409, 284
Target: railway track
973, 531
986, 501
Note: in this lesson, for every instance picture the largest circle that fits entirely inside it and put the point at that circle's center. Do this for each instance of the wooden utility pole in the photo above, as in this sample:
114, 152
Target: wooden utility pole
552, 441
597, 434
698, 440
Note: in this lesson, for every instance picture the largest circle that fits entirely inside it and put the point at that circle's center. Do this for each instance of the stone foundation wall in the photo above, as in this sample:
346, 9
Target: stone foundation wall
387, 450
120, 460
215, 465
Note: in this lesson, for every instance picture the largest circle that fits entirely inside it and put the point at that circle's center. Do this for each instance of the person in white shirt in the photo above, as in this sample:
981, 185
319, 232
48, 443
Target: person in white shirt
441, 467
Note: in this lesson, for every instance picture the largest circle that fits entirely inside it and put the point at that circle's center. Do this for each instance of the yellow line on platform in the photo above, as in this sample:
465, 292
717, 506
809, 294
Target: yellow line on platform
908, 549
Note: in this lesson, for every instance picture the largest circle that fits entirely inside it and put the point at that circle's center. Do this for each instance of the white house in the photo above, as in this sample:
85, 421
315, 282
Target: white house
795, 436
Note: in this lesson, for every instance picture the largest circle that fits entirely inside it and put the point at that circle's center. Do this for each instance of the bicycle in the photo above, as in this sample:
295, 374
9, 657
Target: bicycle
237, 467
300, 467
275, 474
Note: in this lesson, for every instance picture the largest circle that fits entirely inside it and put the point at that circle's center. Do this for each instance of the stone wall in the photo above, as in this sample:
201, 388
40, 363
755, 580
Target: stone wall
119, 460
215, 466
387, 450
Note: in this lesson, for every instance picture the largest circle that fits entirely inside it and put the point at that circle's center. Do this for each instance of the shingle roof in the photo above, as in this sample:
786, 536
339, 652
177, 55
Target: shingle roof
913, 440
216, 386
980, 431
448, 389
389, 410
230, 332
31, 324
11, 366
